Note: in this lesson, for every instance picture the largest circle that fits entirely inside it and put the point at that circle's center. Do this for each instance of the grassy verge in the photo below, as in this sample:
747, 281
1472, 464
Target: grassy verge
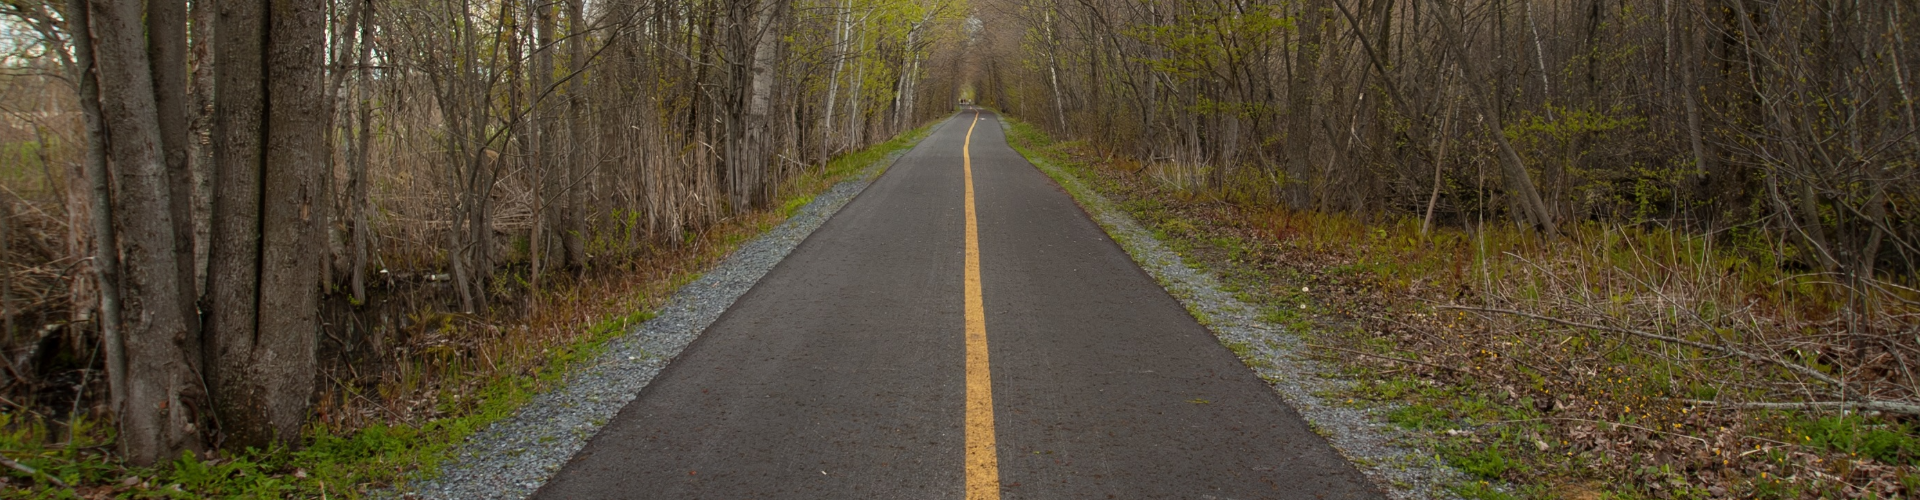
465, 373
1537, 409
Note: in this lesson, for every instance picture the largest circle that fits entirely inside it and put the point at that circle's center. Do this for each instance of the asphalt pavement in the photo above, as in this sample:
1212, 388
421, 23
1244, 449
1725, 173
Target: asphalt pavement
844, 372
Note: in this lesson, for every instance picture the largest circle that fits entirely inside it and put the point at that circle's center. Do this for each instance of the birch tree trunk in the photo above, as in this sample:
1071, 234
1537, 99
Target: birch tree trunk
751, 44
854, 131
759, 102
1053, 73
842, 24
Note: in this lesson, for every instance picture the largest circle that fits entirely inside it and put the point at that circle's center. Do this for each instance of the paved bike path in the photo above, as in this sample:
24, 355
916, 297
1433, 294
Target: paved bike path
842, 373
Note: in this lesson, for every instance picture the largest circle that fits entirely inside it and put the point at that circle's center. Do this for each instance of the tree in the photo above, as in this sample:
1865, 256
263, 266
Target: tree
480, 145
1512, 168
264, 294
159, 398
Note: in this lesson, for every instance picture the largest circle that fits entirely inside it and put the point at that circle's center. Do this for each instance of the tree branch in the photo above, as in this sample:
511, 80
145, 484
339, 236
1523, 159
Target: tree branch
1876, 405
31, 471
1809, 372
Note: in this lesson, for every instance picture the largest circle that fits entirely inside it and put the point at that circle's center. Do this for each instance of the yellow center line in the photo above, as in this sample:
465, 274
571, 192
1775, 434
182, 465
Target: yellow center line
983, 461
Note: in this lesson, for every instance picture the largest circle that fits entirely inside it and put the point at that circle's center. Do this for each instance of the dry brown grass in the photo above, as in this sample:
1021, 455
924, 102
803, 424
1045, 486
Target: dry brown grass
1562, 411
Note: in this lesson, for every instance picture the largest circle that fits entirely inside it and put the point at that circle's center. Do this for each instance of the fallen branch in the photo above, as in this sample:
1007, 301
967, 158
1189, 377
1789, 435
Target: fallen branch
1864, 403
1809, 372
1600, 422
1388, 358
31, 471
1884, 406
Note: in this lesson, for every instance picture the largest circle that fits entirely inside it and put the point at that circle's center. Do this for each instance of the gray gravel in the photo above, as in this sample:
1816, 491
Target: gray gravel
515, 455
1385, 453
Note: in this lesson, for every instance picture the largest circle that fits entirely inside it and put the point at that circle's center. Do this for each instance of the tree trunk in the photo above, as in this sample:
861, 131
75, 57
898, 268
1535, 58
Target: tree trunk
1053, 73
900, 86
752, 38
293, 214
571, 225
270, 158
161, 412
342, 39
1300, 105
357, 190
760, 102
83, 290
1690, 99
1439, 162
551, 178
233, 286
853, 132
523, 108
199, 138
100, 242
6, 285
167, 49
1512, 168
843, 23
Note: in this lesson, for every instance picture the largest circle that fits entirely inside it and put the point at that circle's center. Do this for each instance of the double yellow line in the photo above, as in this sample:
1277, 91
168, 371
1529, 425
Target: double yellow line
983, 462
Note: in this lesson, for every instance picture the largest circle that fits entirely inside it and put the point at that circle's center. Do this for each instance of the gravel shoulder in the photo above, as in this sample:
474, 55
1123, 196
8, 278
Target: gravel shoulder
514, 456
1386, 454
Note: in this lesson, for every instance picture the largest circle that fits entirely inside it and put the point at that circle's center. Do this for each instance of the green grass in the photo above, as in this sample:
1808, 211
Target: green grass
1893, 443
1486, 463
1480, 490
857, 161
794, 205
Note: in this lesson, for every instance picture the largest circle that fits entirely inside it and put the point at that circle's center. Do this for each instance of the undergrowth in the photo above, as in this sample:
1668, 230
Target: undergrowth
462, 373
1533, 408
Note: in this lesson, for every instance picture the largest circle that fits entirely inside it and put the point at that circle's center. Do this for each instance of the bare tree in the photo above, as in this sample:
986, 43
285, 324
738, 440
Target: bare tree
480, 142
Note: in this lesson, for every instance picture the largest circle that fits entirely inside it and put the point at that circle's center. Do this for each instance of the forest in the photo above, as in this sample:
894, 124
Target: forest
1690, 216
250, 220
231, 225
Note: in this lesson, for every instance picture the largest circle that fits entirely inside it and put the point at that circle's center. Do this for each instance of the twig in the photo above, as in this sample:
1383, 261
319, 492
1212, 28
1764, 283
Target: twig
20, 407
1389, 358
80, 389
31, 471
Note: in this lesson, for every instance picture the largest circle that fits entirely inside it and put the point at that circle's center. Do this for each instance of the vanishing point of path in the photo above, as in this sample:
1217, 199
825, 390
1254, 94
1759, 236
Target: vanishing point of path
959, 330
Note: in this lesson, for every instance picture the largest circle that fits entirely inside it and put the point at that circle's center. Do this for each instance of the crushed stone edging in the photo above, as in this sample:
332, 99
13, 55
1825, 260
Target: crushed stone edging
514, 456
1386, 454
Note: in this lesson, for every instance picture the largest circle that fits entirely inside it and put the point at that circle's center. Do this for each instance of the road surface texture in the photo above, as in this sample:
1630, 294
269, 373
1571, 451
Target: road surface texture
845, 372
